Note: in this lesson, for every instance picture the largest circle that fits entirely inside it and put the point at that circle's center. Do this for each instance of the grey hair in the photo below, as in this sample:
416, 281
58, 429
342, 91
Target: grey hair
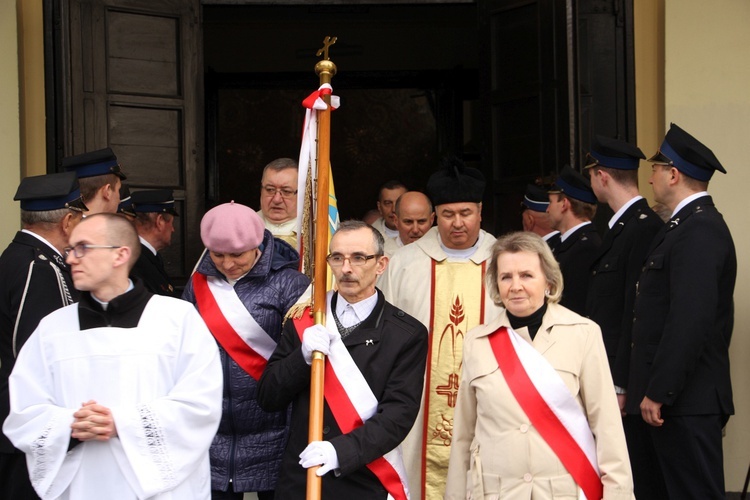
356, 225
524, 241
32, 217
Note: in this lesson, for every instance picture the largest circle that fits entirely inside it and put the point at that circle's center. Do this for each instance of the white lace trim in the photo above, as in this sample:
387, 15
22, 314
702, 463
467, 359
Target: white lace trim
157, 446
40, 454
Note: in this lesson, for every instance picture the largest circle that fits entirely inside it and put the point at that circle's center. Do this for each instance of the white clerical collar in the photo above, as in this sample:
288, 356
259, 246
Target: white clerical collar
284, 228
547, 236
147, 245
399, 243
390, 233
43, 240
619, 213
461, 254
106, 304
687, 200
572, 230
353, 314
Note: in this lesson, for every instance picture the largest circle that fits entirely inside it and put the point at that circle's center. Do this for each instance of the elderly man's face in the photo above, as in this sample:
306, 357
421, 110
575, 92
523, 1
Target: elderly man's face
459, 224
387, 205
278, 195
414, 218
355, 282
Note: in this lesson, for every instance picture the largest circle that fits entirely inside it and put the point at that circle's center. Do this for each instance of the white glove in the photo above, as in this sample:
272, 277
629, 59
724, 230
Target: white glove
315, 338
319, 453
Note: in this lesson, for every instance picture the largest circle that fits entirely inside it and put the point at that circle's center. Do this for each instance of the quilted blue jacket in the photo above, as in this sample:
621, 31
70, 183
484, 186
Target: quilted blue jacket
248, 447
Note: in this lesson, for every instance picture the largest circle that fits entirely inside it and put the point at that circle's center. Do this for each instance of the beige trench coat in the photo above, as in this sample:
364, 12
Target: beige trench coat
497, 454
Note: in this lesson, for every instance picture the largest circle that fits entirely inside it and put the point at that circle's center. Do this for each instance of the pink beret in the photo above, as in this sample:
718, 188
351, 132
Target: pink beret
231, 228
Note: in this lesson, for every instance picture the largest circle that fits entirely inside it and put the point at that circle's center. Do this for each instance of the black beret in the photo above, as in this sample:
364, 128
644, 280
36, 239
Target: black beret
455, 183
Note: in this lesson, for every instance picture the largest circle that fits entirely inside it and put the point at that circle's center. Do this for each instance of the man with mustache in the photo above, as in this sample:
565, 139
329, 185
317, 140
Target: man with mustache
375, 361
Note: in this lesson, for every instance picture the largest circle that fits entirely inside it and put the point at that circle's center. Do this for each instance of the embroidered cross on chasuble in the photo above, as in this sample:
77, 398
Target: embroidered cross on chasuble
457, 297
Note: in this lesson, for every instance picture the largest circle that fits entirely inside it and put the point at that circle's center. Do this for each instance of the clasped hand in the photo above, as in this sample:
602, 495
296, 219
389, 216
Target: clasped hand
93, 422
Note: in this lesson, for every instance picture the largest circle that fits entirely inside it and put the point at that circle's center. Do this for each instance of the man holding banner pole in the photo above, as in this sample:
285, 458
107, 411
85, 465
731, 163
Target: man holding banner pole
374, 369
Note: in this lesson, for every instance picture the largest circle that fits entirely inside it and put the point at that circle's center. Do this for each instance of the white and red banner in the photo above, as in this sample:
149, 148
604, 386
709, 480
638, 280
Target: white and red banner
232, 324
550, 406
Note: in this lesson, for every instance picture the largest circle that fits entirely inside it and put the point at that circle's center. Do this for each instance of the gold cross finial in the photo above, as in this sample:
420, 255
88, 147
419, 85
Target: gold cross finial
327, 42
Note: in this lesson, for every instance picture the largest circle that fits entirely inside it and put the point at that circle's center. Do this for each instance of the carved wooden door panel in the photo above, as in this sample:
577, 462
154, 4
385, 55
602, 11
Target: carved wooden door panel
133, 81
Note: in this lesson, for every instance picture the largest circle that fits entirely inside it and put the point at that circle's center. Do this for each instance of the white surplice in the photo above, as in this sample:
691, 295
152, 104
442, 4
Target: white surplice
163, 382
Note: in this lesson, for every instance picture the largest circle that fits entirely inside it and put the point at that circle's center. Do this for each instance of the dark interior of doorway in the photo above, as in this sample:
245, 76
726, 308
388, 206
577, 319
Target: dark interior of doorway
398, 114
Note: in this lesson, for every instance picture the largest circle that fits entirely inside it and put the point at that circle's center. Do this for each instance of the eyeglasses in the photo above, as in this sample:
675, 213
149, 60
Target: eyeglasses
285, 193
356, 259
80, 249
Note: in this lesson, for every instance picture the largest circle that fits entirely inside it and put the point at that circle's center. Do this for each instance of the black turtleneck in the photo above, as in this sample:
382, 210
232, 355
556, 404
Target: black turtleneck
533, 321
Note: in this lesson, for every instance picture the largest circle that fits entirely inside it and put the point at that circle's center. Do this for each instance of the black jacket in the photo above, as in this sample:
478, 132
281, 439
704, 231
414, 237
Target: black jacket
150, 269
390, 349
614, 273
34, 281
684, 315
575, 256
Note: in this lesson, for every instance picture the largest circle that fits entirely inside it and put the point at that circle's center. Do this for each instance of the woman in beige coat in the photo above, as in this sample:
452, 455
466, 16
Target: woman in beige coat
497, 452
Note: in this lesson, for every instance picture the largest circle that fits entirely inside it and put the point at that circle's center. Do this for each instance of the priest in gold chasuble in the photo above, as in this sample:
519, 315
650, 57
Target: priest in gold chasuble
439, 279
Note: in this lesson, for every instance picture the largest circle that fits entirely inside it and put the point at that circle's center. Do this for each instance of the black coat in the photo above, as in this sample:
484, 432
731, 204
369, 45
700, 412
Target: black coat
390, 349
684, 315
575, 256
614, 273
34, 281
150, 269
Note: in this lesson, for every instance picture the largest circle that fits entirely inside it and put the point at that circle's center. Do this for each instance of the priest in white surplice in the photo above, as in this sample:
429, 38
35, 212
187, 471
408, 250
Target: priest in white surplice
439, 280
118, 396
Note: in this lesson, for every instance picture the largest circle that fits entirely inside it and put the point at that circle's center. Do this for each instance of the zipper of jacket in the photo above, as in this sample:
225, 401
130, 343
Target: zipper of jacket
227, 367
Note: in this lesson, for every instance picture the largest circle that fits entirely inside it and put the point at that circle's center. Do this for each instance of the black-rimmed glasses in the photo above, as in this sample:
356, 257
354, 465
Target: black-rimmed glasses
80, 249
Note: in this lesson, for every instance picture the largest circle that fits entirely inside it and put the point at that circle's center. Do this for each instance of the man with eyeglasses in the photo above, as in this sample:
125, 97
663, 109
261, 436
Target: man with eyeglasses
374, 375
34, 281
679, 380
118, 396
154, 220
278, 199
439, 279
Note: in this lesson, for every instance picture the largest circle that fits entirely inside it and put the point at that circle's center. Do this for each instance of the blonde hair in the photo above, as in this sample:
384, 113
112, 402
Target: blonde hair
524, 241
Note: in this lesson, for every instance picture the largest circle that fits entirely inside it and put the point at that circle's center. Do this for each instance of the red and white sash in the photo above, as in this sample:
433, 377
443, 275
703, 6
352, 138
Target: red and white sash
550, 406
232, 324
352, 402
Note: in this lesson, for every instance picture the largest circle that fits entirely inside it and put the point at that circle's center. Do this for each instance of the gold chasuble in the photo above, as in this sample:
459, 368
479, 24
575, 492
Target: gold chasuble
457, 298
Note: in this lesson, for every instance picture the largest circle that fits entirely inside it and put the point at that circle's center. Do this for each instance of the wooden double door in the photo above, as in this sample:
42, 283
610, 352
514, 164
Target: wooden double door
129, 74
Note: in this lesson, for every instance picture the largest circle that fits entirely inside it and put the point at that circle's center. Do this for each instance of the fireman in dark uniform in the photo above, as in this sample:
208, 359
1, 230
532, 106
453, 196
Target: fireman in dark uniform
34, 281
